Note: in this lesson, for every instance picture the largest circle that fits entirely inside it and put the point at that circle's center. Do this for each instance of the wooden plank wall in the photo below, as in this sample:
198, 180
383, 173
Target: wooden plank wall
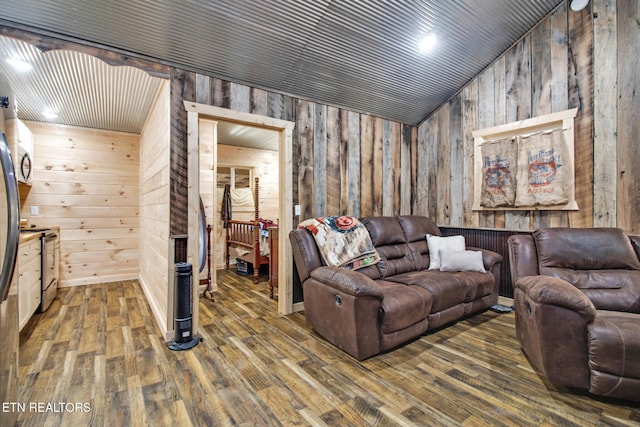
347, 162
586, 60
343, 161
85, 181
154, 244
628, 107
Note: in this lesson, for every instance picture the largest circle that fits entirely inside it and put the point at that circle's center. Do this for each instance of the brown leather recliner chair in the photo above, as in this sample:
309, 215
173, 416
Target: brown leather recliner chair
577, 302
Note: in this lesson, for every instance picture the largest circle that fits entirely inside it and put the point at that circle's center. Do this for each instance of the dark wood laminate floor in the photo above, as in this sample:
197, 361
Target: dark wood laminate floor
97, 358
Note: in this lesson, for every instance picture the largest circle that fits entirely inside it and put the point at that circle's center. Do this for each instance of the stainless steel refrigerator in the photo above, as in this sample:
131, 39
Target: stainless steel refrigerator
9, 237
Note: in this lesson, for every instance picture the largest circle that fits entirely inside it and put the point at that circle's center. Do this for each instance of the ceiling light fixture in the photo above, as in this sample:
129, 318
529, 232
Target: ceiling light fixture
427, 43
578, 5
49, 114
19, 64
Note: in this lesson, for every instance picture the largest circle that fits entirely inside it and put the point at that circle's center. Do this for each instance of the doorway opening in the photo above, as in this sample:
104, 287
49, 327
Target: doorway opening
212, 116
247, 186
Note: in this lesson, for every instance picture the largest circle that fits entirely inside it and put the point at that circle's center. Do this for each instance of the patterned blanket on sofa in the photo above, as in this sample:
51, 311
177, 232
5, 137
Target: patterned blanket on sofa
343, 241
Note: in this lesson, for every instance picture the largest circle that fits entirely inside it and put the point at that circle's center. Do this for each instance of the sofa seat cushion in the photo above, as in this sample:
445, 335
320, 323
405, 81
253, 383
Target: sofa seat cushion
614, 354
448, 289
402, 306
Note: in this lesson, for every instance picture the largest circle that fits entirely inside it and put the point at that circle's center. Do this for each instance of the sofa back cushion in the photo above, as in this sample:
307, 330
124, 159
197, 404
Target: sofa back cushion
599, 261
388, 238
415, 229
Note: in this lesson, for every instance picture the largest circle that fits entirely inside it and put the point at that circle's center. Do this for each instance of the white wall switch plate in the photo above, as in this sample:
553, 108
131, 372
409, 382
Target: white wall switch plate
296, 210
35, 210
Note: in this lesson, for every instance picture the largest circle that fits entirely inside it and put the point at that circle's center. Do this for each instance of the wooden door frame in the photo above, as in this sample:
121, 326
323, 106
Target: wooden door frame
195, 111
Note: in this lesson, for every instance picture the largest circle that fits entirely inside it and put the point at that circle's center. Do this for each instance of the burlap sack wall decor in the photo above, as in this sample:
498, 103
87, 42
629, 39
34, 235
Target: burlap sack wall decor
499, 159
543, 177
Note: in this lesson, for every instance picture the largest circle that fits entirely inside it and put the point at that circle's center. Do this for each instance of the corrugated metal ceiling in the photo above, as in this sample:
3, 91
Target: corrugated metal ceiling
82, 90
352, 53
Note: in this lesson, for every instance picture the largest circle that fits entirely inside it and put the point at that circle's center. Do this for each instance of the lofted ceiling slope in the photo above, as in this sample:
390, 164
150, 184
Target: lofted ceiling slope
357, 54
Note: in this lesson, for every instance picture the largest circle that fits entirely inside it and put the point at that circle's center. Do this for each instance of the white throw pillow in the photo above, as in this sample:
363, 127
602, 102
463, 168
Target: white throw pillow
461, 261
438, 243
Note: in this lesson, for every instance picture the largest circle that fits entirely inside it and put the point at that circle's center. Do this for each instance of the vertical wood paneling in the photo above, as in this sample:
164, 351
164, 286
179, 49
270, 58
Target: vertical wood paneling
499, 115
182, 88
518, 107
406, 173
442, 204
413, 149
377, 168
421, 168
396, 153
581, 96
628, 191
500, 91
486, 118
333, 162
456, 161
541, 77
203, 89
559, 83
430, 169
605, 114
240, 97
366, 165
410, 150
388, 189
320, 160
469, 124
541, 72
259, 102
344, 162
277, 106
304, 126
354, 165
559, 60
220, 93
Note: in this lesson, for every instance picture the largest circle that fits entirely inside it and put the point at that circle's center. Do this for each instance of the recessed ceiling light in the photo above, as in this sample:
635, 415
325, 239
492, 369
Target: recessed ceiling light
426, 43
19, 64
578, 5
49, 114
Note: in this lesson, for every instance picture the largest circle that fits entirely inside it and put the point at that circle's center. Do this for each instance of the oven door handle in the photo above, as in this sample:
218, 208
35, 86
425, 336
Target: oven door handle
13, 218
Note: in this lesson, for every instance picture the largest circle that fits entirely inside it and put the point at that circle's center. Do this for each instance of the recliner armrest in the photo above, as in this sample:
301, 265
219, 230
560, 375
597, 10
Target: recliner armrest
348, 281
552, 322
553, 291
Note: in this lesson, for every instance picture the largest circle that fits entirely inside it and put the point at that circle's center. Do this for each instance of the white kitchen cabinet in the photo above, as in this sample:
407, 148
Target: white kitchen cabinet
29, 276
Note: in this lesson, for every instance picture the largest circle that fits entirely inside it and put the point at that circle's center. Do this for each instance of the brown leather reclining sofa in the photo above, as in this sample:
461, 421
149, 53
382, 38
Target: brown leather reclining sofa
577, 301
381, 306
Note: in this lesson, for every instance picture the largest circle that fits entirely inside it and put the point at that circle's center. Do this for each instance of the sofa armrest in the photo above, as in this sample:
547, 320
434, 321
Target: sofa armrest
553, 291
635, 242
552, 322
489, 258
347, 281
343, 306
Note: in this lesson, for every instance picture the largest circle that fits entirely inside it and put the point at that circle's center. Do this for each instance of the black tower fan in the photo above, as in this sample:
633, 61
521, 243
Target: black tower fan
183, 320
